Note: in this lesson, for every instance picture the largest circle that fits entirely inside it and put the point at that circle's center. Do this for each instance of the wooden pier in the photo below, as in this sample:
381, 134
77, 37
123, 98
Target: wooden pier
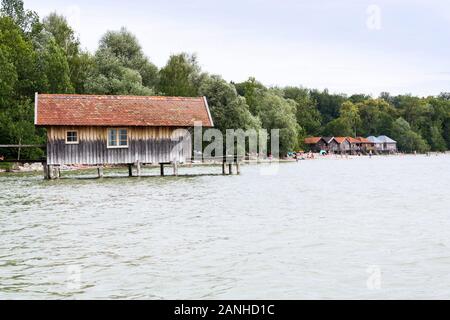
52, 172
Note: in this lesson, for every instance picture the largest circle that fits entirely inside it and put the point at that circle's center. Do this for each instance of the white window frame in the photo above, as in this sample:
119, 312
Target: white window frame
108, 145
73, 142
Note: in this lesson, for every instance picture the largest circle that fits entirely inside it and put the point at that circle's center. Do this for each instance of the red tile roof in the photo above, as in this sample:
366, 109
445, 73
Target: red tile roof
353, 140
312, 140
363, 140
340, 139
97, 110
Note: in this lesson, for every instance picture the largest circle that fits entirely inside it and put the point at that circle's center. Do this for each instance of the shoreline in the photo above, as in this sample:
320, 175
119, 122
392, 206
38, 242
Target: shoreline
37, 167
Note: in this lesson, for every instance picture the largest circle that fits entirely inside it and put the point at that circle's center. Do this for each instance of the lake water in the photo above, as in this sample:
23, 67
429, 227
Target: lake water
337, 228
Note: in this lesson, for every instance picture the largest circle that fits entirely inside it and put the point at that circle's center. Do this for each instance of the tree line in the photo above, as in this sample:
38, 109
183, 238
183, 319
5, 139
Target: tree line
45, 56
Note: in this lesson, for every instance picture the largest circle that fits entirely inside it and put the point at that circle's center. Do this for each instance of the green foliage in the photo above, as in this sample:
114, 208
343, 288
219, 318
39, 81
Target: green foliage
307, 114
180, 76
250, 89
18, 61
338, 128
17, 127
126, 48
227, 108
349, 115
55, 74
377, 117
111, 76
276, 112
26, 20
120, 67
327, 104
80, 63
407, 139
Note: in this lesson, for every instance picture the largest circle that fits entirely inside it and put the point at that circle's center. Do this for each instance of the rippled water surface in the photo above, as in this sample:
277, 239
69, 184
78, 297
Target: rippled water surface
355, 228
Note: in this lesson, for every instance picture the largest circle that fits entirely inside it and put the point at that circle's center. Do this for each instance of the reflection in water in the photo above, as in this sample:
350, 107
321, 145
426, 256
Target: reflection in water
317, 229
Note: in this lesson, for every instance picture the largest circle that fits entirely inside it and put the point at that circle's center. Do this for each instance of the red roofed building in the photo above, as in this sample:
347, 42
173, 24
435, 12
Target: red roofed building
316, 144
96, 130
342, 144
366, 144
355, 145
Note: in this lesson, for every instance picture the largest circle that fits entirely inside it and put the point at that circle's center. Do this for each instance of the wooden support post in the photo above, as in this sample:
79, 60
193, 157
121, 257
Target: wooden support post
224, 168
100, 171
138, 168
45, 166
58, 172
162, 169
130, 170
175, 168
51, 172
230, 168
238, 167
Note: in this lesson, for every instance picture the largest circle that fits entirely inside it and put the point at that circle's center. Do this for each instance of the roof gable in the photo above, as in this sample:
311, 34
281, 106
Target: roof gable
386, 139
104, 110
352, 140
340, 139
312, 140
374, 139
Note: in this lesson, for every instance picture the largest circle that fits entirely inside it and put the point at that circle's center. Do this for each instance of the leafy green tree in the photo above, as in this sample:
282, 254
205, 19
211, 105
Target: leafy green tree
338, 128
18, 61
80, 62
111, 77
228, 110
117, 66
308, 116
276, 112
328, 104
52, 61
358, 98
64, 35
349, 114
407, 139
437, 141
126, 48
377, 117
414, 110
26, 20
251, 89
181, 76
17, 127
8, 79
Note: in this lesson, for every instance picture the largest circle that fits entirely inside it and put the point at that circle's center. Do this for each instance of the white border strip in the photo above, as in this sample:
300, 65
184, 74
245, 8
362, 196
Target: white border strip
35, 107
207, 109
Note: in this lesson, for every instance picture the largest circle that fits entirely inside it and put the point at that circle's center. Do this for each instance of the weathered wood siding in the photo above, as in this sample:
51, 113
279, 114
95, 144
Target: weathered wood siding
344, 146
390, 147
333, 146
145, 144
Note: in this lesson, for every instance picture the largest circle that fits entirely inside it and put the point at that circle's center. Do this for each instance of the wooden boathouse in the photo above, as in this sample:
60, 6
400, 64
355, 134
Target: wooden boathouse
99, 130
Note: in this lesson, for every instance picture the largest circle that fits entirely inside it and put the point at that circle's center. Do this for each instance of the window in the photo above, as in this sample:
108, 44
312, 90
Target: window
117, 138
72, 137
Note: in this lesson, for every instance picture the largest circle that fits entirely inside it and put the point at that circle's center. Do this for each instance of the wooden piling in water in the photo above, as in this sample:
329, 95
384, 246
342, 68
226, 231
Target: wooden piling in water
175, 168
138, 168
100, 171
45, 166
162, 169
130, 170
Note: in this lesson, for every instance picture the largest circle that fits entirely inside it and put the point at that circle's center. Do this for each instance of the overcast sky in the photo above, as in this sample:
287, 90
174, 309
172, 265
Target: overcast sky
347, 46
